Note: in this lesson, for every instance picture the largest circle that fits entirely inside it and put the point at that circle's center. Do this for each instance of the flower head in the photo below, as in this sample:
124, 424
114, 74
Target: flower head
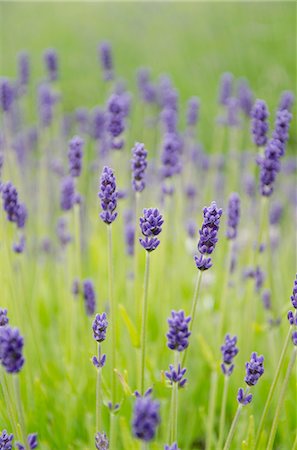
209, 230
67, 196
178, 334
286, 101
101, 441
99, 327
138, 166
233, 214
75, 154
11, 349
254, 369
3, 317
176, 375
260, 125
108, 196
6, 94
171, 447
51, 64
193, 111
151, 226
229, 351
106, 60
146, 417
226, 86
243, 397
89, 297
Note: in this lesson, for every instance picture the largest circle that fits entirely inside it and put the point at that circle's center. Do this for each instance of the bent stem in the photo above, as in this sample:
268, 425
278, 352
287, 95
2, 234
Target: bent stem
272, 388
144, 321
20, 410
281, 399
233, 427
223, 412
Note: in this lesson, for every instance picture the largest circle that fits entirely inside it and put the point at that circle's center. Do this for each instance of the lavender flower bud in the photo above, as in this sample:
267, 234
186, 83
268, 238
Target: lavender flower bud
115, 120
233, 214
146, 417
75, 154
294, 338
99, 363
89, 297
203, 263
291, 318
106, 61
101, 441
178, 335
23, 68
67, 198
6, 94
6, 440
294, 294
243, 397
260, 126
269, 167
146, 89
170, 157
226, 87
281, 130
286, 101
254, 369
193, 111
229, 351
3, 317
138, 166
51, 64
32, 441
19, 246
98, 120
245, 97
99, 327
108, 196
11, 349
210, 228
46, 102
151, 226
10, 201
176, 375
232, 112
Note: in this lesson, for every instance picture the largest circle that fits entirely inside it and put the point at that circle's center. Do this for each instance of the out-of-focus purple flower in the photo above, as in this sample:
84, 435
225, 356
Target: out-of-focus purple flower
146, 417
108, 196
244, 398
75, 289
151, 226
209, 230
82, 119
6, 440
3, 317
106, 60
22, 214
75, 155
168, 118
202, 263
254, 369
294, 338
292, 318
23, 68
178, 334
276, 212
101, 441
32, 441
130, 237
226, 87
259, 278
11, 349
193, 111
99, 327
176, 375
294, 294
99, 362
138, 166
245, 96
97, 126
250, 185
146, 88
115, 120
89, 297
10, 201
67, 198
259, 115
168, 95
51, 63
269, 167
280, 134
232, 106
191, 228
46, 102
229, 351
6, 94
170, 158
233, 214
19, 246
171, 447
286, 101
266, 299
62, 232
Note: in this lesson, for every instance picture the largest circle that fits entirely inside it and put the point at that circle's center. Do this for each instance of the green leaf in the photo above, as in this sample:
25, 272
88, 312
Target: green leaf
130, 327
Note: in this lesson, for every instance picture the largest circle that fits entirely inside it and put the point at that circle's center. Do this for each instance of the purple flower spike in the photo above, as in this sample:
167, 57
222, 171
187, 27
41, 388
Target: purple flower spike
46, 102
108, 196
32, 441
23, 69
6, 94
170, 157
11, 349
146, 417
6, 440
138, 166
269, 167
229, 351
99, 327
281, 130
294, 294
210, 228
106, 60
101, 441
203, 263
226, 86
286, 101
176, 375
67, 199
19, 247
244, 398
294, 338
178, 335
146, 88
233, 214
51, 64
3, 317
245, 97
75, 154
151, 226
10, 201
89, 297
259, 115
115, 120
171, 447
193, 111
254, 369
99, 363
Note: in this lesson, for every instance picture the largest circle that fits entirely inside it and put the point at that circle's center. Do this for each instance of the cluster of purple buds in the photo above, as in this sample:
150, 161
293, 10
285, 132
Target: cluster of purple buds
68, 196
75, 154
6, 95
32, 442
280, 134
23, 69
286, 101
233, 214
254, 370
115, 120
151, 226
3, 317
146, 88
292, 317
129, 232
225, 89
146, 417
46, 102
101, 441
99, 326
229, 351
11, 349
176, 375
193, 111
245, 97
108, 196
97, 125
15, 211
269, 168
178, 334
170, 158
89, 297
51, 64
171, 447
106, 60
6, 440
138, 166
232, 106
259, 115
208, 235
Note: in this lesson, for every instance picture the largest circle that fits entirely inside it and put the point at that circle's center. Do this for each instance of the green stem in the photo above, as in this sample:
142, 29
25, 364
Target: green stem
281, 399
98, 394
7, 400
112, 431
233, 427
20, 410
211, 411
175, 402
112, 315
272, 388
223, 412
144, 321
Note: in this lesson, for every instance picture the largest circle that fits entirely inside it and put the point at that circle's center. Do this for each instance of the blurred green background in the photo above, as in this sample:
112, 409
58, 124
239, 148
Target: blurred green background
193, 42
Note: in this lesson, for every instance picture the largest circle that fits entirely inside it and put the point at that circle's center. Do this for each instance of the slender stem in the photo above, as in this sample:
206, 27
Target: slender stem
98, 394
20, 410
272, 388
281, 399
175, 401
112, 315
233, 427
225, 291
211, 411
223, 412
112, 431
77, 239
144, 321
8, 402
294, 447
193, 310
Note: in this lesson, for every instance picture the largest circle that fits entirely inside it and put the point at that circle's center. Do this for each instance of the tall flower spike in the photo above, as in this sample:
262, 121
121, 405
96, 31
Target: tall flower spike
233, 214
193, 111
226, 87
89, 297
23, 68
101, 441
281, 130
108, 196
115, 120
151, 226
106, 60
75, 154
286, 101
146, 88
138, 166
6, 94
11, 349
99, 327
67, 199
146, 417
210, 227
178, 334
259, 115
254, 369
229, 351
51, 64
6, 440
269, 167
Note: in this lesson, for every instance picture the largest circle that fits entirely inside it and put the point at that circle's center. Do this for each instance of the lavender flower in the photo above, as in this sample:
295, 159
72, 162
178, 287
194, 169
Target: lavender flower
3, 317
32, 441
170, 157
226, 86
281, 130
229, 351
129, 233
19, 246
146, 417
6, 94
232, 112
51, 63
99, 327
210, 228
101, 441
138, 166
171, 447
178, 335
294, 294
146, 89
269, 167
286, 101
294, 338
260, 126
98, 120
106, 60
23, 68
193, 111
243, 397
115, 120
75, 154
276, 212
67, 199
176, 375
10, 201
46, 102
11, 349
82, 119
233, 213
6, 440
245, 97
202, 263
89, 297
254, 369
108, 196
151, 226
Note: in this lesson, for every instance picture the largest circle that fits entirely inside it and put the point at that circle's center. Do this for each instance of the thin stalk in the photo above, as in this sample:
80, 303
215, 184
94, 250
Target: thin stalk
175, 401
233, 427
223, 412
112, 314
294, 447
144, 321
19, 407
211, 411
193, 310
281, 399
8, 402
225, 291
113, 439
272, 387
99, 394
